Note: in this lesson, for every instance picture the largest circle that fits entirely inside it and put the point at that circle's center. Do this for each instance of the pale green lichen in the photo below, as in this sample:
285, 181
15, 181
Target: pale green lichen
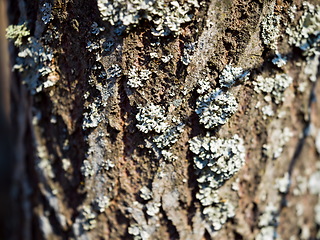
153, 118
166, 18
307, 31
17, 33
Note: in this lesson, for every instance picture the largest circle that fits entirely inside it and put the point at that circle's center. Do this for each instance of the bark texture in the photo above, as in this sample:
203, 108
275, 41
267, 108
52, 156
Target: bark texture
209, 131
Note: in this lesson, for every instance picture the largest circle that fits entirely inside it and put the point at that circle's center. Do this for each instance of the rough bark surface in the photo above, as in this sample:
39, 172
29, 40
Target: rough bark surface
94, 162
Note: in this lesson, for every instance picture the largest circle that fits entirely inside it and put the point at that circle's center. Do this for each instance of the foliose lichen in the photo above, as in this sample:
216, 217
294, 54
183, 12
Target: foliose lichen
270, 30
33, 63
217, 159
216, 108
267, 223
306, 36
166, 18
274, 86
101, 203
166, 130
46, 10
17, 33
145, 193
230, 75
137, 232
152, 118
136, 78
307, 32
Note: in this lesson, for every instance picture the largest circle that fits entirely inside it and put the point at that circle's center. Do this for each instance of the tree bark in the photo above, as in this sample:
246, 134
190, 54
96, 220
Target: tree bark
165, 120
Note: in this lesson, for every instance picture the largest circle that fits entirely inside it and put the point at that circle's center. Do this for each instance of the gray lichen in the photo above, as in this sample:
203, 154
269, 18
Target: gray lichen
274, 86
33, 63
270, 30
152, 118
188, 51
216, 161
166, 18
215, 108
307, 31
166, 130
306, 36
145, 193
268, 221
230, 75
46, 11
137, 78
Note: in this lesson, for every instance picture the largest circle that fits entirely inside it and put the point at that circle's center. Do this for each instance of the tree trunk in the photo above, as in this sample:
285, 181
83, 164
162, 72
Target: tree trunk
185, 119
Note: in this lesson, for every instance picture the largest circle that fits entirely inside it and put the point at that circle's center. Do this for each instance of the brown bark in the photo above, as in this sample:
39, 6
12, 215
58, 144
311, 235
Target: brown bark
85, 162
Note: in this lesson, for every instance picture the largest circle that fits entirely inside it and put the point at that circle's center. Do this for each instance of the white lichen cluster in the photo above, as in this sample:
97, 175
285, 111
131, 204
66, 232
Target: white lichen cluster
152, 118
230, 75
307, 32
218, 214
137, 78
280, 137
306, 36
169, 136
166, 17
215, 108
267, 223
274, 87
46, 10
92, 117
282, 184
101, 203
137, 232
88, 218
153, 208
216, 160
203, 85
279, 60
34, 59
271, 30
146, 193
86, 169
188, 51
